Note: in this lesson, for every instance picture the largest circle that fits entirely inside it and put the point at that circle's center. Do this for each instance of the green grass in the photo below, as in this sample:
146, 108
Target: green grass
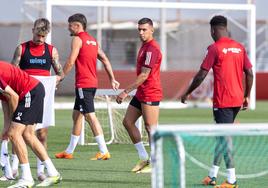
115, 173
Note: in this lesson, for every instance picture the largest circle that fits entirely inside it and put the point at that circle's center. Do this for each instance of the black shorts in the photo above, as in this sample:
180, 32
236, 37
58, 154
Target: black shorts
225, 115
84, 100
30, 108
137, 104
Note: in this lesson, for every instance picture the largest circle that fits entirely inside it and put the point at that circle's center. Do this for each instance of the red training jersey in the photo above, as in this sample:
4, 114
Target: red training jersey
228, 59
36, 59
150, 56
85, 64
15, 78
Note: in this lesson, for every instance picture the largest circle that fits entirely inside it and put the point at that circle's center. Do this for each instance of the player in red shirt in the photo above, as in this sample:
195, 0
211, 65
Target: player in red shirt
22, 96
36, 58
229, 62
84, 54
149, 92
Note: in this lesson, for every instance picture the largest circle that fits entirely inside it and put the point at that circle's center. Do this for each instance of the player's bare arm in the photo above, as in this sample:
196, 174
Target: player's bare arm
145, 71
108, 68
17, 56
56, 65
75, 48
12, 98
248, 85
198, 79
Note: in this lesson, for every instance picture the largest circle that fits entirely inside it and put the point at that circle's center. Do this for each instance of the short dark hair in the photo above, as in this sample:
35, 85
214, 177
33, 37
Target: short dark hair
42, 26
218, 21
145, 21
79, 18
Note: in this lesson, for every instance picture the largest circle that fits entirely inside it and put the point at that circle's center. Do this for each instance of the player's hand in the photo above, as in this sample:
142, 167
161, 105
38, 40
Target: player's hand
121, 97
245, 103
184, 98
115, 84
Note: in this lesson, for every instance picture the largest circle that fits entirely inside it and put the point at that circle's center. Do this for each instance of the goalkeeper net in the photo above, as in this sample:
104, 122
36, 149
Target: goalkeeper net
183, 155
110, 114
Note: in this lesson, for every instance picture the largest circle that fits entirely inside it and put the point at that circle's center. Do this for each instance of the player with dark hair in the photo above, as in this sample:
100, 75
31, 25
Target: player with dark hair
84, 54
22, 102
229, 62
149, 92
36, 58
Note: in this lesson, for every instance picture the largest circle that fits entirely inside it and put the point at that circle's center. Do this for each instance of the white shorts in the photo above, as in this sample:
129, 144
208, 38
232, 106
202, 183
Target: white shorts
49, 83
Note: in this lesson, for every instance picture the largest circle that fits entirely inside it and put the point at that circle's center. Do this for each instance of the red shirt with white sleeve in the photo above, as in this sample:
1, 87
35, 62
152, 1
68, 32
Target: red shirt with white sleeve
150, 56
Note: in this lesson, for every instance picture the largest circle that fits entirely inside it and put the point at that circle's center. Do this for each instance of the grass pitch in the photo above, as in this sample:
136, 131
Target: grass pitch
115, 173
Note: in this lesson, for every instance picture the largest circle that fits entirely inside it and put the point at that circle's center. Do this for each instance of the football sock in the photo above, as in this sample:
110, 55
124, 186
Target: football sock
214, 171
51, 170
40, 166
143, 155
26, 172
73, 142
231, 175
101, 143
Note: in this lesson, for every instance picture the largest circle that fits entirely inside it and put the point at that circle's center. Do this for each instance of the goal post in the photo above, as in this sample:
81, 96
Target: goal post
110, 115
183, 154
163, 6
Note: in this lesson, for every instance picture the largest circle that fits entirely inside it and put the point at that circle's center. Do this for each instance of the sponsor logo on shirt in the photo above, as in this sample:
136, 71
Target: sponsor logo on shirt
91, 42
233, 50
38, 61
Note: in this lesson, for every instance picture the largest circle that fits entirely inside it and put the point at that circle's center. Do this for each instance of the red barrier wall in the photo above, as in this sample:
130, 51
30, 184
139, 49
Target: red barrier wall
175, 82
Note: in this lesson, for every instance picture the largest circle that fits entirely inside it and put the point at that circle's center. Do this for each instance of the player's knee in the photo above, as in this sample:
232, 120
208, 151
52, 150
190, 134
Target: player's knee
149, 127
126, 122
41, 135
27, 137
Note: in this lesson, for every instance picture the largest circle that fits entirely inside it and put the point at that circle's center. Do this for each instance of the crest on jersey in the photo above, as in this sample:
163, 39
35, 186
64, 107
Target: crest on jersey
91, 42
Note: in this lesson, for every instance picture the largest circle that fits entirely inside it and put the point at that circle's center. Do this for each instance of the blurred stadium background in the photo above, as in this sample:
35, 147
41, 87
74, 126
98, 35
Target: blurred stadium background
186, 35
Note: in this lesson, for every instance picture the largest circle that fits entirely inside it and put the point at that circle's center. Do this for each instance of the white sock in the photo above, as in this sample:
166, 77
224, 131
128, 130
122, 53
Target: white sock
15, 162
214, 171
143, 155
73, 142
26, 172
40, 167
4, 152
231, 175
51, 170
101, 143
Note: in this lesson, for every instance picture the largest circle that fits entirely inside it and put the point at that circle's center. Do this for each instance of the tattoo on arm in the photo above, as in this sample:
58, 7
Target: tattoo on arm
17, 56
55, 63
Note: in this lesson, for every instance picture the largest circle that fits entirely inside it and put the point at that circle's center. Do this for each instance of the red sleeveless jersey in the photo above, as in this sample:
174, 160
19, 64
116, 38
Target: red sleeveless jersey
150, 56
85, 64
228, 59
15, 78
36, 59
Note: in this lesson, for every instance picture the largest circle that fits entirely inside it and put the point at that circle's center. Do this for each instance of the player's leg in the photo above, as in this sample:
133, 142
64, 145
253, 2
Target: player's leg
42, 137
227, 115
77, 126
5, 163
76, 131
16, 136
132, 115
150, 113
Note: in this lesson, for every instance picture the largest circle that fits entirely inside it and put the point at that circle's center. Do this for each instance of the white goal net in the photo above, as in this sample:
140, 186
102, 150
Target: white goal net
183, 154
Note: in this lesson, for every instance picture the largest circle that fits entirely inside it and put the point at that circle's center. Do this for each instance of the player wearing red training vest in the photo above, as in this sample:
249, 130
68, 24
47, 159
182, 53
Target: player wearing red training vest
149, 93
36, 57
22, 96
229, 62
84, 54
